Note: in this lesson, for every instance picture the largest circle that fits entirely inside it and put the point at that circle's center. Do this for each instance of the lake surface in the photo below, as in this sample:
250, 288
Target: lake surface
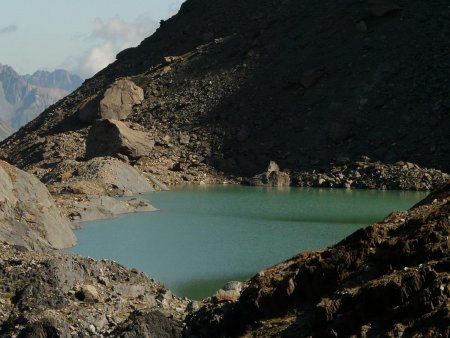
204, 236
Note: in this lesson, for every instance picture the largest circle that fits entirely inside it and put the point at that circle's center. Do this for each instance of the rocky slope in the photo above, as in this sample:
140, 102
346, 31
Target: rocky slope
230, 87
57, 295
22, 98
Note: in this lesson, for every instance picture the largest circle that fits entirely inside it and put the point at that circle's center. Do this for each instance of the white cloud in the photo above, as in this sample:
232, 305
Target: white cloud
97, 58
110, 37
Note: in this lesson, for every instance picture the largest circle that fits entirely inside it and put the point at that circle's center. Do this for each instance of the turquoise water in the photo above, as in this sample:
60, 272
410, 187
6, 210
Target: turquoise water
203, 236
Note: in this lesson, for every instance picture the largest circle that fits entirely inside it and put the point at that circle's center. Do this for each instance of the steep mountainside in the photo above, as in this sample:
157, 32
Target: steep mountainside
230, 85
22, 98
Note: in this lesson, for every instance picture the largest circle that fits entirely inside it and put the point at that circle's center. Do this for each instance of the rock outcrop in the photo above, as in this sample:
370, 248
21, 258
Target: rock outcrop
87, 190
111, 137
28, 215
98, 176
389, 279
115, 103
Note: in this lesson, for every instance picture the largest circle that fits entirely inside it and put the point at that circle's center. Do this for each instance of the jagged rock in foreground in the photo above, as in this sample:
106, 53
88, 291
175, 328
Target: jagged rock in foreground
28, 215
59, 295
390, 279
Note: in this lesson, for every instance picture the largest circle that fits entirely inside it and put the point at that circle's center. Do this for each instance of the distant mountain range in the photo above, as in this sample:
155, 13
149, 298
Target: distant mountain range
23, 97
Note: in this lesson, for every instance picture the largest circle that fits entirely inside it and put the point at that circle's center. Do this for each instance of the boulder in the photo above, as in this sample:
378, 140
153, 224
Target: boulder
88, 294
29, 217
230, 292
273, 177
226, 296
184, 138
111, 138
115, 103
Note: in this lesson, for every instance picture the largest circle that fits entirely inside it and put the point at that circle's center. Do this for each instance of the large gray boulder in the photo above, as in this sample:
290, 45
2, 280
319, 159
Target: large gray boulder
115, 103
111, 137
28, 214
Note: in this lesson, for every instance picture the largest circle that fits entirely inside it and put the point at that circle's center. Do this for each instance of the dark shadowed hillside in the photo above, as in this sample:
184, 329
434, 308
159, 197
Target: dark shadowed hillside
230, 85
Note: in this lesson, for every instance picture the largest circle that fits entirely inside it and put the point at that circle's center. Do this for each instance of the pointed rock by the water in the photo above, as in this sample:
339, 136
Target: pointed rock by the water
273, 177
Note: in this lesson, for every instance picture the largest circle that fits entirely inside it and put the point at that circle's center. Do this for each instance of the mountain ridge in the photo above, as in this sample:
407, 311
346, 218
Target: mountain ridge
22, 98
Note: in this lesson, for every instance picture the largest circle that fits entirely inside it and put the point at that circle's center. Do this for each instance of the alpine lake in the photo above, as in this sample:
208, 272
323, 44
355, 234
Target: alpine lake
204, 236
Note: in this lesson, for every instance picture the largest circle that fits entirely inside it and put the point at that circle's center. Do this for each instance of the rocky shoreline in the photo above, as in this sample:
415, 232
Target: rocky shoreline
391, 278
362, 174
369, 174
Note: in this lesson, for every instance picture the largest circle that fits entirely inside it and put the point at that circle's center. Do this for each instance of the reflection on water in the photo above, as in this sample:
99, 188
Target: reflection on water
203, 236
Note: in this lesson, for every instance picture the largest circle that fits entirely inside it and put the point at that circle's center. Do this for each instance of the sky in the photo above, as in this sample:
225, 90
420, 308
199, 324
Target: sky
82, 36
